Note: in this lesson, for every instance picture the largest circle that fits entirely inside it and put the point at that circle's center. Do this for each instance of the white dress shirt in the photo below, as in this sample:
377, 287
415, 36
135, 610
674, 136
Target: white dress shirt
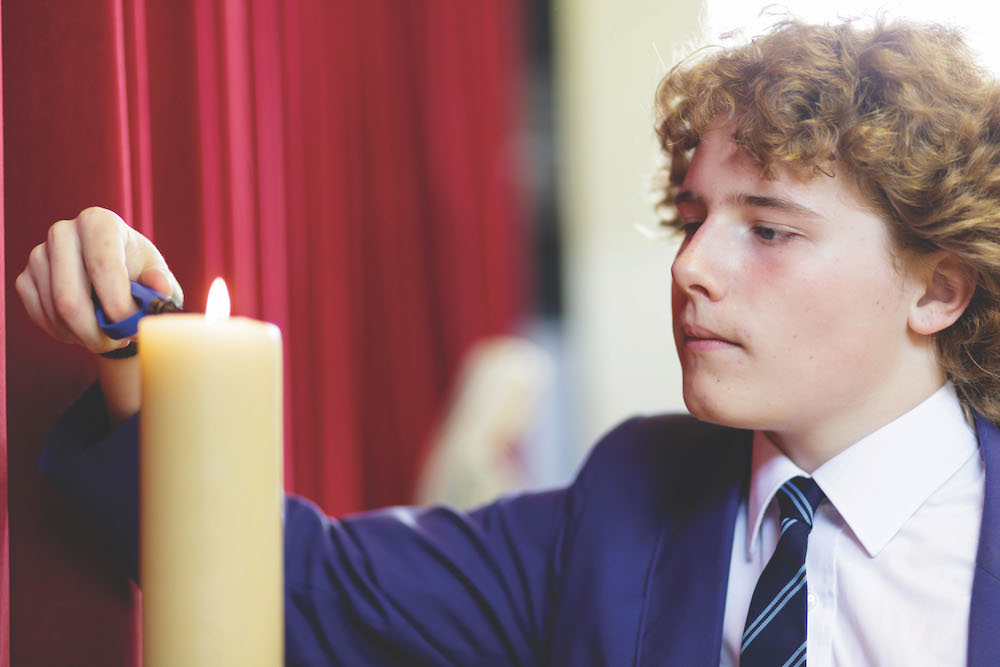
892, 552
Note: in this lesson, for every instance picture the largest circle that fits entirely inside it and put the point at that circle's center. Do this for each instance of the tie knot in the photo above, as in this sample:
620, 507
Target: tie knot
798, 498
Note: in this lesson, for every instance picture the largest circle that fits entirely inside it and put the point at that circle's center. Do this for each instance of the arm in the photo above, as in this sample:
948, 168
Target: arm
389, 587
423, 585
399, 586
99, 471
119, 379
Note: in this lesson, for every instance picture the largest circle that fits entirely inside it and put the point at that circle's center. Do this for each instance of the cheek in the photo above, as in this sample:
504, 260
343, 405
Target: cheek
845, 319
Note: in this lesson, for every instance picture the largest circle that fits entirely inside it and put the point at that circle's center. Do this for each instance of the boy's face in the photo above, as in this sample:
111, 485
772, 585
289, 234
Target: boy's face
789, 310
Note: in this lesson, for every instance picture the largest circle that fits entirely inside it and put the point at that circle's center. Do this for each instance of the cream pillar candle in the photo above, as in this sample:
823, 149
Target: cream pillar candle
210, 488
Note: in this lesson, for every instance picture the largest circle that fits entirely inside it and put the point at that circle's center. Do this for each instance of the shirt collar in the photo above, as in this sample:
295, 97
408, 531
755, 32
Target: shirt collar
880, 481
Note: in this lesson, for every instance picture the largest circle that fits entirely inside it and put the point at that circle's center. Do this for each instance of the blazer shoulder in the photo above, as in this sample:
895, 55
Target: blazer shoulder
658, 449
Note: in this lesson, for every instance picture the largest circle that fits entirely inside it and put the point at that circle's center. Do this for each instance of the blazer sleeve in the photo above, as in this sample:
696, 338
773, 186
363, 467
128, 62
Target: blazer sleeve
422, 585
399, 586
98, 469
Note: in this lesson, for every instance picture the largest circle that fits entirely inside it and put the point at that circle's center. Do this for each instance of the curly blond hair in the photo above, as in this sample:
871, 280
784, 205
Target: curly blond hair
905, 111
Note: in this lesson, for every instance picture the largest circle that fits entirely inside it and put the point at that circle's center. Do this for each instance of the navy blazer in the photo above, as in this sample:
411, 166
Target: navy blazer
629, 565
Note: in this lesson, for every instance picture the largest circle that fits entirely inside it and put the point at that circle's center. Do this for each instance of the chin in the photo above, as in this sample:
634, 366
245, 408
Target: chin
706, 413
724, 411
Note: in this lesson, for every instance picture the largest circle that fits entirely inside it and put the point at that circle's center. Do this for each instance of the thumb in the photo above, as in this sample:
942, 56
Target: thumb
147, 266
163, 282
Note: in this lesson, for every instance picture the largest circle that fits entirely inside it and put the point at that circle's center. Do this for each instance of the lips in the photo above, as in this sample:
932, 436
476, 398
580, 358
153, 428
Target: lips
696, 333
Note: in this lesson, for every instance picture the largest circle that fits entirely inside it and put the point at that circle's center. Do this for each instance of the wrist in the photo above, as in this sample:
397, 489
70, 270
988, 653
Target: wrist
120, 383
125, 352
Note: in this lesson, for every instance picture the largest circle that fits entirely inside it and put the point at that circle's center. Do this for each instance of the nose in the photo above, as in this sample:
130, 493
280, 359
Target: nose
698, 268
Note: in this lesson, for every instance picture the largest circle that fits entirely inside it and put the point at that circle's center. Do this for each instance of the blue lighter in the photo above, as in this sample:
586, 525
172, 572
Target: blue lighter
150, 302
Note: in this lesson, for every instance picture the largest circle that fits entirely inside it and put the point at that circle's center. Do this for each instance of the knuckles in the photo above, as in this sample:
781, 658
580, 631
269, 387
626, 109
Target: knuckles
95, 226
93, 218
59, 230
37, 256
93, 214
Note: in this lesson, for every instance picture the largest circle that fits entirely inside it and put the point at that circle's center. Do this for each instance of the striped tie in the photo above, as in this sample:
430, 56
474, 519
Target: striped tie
775, 634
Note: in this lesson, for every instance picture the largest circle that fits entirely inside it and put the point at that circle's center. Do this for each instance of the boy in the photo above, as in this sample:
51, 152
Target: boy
835, 304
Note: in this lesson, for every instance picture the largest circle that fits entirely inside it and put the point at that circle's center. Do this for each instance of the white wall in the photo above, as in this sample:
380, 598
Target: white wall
976, 18
617, 281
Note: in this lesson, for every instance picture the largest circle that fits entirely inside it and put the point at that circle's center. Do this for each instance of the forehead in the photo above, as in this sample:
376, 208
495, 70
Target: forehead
721, 171
723, 177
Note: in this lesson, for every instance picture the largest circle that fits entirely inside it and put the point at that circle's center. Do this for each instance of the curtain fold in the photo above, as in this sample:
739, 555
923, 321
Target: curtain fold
348, 168
64, 105
4, 519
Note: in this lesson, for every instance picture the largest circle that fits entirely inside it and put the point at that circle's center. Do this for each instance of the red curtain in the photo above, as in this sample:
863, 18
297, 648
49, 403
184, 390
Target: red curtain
348, 168
4, 522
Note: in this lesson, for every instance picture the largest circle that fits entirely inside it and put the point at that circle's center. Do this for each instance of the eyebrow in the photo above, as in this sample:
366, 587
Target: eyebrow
751, 200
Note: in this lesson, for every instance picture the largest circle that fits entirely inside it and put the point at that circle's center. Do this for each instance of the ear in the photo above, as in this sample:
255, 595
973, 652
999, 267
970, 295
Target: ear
945, 287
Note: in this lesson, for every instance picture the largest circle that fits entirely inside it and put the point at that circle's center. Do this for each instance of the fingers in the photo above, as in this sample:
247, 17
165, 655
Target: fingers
70, 288
33, 287
102, 237
97, 252
26, 289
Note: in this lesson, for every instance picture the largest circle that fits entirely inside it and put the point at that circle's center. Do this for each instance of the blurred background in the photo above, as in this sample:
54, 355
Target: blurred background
447, 207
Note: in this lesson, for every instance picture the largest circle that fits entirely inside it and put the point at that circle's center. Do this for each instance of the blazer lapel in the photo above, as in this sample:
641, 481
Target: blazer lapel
683, 620
686, 601
984, 620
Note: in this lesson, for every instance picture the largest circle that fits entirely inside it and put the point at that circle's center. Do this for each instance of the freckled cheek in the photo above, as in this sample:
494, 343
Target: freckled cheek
798, 317
842, 333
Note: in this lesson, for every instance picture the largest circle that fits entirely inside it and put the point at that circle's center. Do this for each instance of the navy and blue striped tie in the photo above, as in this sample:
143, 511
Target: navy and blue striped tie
775, 634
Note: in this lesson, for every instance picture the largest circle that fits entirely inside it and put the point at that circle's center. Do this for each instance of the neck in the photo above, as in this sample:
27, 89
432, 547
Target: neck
811, 447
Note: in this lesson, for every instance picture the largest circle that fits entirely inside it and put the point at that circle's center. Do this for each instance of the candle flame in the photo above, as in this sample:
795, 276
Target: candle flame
217, 307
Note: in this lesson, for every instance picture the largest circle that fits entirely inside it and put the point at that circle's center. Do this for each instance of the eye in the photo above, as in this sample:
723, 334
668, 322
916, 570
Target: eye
770, 234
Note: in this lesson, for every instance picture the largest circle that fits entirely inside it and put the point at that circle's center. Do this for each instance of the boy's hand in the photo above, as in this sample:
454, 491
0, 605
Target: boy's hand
96, 250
